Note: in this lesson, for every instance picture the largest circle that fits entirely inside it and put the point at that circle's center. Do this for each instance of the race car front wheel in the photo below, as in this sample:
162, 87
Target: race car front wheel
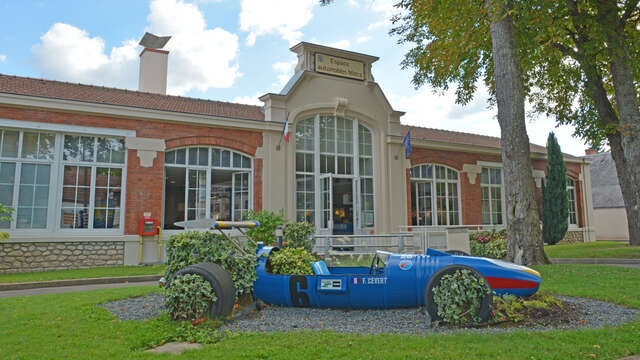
220, 282
484, 312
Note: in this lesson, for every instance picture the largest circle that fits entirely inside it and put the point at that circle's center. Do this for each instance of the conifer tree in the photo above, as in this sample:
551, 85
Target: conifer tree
555, 199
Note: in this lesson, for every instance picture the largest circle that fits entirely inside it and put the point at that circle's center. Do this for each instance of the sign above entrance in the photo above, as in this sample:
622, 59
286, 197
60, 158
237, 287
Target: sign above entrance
339, 66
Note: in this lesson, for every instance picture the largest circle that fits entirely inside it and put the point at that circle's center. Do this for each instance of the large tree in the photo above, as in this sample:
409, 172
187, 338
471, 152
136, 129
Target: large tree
462, 41
582, 61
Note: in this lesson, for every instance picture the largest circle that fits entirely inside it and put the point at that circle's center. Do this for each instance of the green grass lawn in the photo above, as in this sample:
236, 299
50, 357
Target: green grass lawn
83, 273
597, 249
70, 326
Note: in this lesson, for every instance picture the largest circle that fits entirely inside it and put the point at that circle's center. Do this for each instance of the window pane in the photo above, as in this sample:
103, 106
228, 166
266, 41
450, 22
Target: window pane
327, 164
30, 145
215, 157
193, 156
10, 143
496, 178
181, 156
28, 174
237, 160
485, 176
203, 156
115, 177
327, 134
170, 157
246, 162
305, 134
366, 166
75, 197
174, 191
365, 141
221, 189
226, 159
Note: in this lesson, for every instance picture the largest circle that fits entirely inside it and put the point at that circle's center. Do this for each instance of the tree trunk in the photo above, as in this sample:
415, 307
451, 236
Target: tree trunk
524, 240
625, 149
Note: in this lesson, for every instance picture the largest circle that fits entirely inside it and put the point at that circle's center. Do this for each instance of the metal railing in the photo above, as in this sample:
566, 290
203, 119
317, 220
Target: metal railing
436, 237
366, 244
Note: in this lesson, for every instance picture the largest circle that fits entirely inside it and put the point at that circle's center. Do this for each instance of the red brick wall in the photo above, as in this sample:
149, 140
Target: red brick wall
144, 191
471, 196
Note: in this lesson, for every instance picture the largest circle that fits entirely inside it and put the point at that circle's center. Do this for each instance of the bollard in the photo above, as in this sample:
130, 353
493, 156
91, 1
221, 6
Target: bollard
279, 234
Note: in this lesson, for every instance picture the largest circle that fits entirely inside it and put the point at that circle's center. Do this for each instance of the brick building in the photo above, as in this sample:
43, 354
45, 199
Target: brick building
81, 164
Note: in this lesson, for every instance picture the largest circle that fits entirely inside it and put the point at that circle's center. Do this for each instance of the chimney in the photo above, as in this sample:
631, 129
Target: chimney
153, 64
591, 151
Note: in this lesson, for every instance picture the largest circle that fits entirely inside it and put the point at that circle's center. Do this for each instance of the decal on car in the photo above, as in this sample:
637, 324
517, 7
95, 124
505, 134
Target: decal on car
369, 280
331, 284
405, 264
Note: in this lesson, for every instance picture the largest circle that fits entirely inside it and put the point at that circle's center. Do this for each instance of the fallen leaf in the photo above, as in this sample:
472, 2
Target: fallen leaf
596, 346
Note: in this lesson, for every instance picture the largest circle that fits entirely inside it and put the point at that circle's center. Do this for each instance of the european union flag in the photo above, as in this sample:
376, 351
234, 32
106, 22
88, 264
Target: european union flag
407, 143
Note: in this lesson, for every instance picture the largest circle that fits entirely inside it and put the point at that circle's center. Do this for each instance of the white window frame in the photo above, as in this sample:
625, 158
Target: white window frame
490, 186
94, 165
434, 197
209, 168
57, 172
572, 189
355, 175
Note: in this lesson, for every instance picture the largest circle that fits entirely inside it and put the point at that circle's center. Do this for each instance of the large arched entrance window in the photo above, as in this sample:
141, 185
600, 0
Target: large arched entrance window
435, 195
334, 174
206, 182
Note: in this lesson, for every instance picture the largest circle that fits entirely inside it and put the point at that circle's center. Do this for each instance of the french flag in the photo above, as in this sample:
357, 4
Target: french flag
285, 130
356, 280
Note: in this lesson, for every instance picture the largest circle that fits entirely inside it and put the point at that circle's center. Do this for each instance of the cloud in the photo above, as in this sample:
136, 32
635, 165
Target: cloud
284, 71
68, 53
200, 58
363, 39
282, 17
3, 58
427, 109
341, 44
249, 100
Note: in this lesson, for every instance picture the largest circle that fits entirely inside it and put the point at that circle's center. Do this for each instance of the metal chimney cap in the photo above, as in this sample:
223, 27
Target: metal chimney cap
154, 42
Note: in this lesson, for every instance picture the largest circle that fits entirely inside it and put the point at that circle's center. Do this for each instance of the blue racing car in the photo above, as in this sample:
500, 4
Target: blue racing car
392, 281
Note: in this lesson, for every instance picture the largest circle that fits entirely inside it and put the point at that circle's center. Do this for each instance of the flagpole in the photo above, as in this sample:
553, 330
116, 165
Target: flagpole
286, 120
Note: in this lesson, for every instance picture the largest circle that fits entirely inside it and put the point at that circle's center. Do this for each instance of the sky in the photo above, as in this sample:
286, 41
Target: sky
231, 50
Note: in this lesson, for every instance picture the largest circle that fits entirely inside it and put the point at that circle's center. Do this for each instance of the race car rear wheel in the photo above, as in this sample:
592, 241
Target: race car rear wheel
432, 308
220, 282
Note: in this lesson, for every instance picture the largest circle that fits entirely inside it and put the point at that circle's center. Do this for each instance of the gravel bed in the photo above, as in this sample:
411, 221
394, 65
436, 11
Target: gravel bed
136, 308
590, 314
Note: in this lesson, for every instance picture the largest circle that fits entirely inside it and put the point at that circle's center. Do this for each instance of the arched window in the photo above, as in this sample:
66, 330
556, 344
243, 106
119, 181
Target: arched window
334, 174
206, 182
434, 194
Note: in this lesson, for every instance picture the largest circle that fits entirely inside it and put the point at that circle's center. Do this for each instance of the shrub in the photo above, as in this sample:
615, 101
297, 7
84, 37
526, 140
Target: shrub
491, 244
194, 247
5, 215
509, 308
458, 297
268, 222
292, 261
297, 235
555, 198
188, 297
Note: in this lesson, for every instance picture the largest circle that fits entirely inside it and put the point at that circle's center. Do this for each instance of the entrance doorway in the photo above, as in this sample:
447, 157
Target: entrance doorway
342, 206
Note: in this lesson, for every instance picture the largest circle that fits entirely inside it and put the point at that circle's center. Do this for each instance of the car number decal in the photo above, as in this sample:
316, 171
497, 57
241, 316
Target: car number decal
369, 280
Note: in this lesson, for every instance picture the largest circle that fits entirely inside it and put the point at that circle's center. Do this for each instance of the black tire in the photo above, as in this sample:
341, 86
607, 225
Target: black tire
485, 306
457, 252
220, 282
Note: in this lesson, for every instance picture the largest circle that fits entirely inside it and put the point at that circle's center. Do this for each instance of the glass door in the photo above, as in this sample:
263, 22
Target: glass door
342, 206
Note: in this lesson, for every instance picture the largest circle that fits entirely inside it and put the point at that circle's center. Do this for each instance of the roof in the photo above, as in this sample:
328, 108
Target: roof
103, 95
605, 188
464, 138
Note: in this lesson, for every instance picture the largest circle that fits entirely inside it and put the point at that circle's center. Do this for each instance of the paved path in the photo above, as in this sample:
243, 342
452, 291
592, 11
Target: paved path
65, 289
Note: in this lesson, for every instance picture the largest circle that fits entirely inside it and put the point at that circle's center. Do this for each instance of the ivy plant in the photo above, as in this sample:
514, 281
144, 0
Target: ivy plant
194, 247
5, 215
188, 297
458, 297
268, 222
298, 235
289, 261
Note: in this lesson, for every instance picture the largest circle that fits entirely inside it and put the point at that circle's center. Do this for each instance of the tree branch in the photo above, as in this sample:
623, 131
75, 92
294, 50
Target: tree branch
630, 7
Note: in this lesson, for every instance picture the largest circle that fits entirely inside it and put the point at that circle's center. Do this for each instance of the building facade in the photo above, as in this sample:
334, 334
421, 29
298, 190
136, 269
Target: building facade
81, 165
